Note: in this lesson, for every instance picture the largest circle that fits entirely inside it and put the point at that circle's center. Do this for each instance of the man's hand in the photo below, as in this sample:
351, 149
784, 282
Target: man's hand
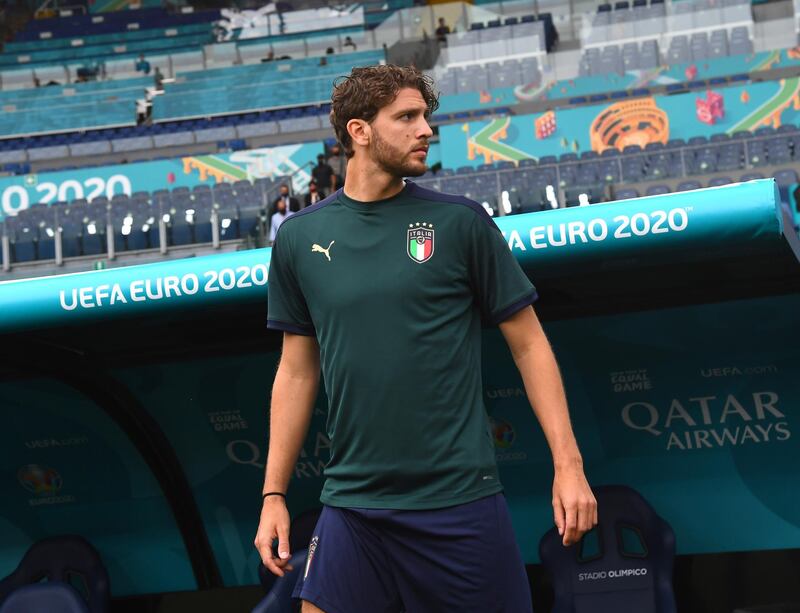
574, 504
274, 524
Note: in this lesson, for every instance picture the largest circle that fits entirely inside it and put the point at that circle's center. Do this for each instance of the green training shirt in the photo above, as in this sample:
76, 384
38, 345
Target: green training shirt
395, 292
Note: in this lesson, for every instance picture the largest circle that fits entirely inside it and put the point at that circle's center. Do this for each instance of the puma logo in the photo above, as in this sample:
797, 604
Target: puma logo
318, 249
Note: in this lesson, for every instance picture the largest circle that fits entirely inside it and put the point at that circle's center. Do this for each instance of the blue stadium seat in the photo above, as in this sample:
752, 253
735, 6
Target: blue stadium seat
626, 194
786, 177
629, 535
61, 559
94, 227
657, 190
688, 186
717, 181
22, 236
51, 597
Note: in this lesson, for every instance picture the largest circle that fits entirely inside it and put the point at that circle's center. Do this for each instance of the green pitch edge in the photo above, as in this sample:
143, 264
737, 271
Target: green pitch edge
483, 139
222, 166
789, 89
647, 77
113, 5
774, 56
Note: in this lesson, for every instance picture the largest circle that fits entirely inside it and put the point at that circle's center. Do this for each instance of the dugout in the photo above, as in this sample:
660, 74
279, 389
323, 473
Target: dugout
135, 399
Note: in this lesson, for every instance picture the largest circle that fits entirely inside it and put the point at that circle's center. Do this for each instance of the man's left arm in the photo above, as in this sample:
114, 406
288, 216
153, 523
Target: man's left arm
574, 505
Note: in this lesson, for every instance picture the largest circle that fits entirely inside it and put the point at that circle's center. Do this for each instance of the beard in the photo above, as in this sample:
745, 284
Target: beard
395, 161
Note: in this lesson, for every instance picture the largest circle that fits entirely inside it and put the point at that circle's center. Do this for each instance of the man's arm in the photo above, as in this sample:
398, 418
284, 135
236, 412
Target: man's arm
293, 394
574, 505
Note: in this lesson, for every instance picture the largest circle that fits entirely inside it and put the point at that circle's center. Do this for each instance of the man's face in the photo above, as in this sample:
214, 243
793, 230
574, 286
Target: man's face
284, 190
400, 134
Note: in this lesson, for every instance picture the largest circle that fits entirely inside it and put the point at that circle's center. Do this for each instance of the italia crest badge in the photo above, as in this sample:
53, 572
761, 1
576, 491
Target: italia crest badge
420, 241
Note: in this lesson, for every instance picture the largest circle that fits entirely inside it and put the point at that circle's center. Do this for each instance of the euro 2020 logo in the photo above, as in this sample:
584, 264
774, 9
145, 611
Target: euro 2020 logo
40, 480
502, 433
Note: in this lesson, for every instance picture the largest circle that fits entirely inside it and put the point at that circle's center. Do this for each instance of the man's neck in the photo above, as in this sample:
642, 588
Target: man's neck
366, 182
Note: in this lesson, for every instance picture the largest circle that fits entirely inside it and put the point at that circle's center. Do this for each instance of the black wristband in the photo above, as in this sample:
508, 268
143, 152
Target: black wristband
264, 496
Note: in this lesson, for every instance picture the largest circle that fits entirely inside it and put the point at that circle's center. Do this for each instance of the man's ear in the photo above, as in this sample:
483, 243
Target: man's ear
360, 132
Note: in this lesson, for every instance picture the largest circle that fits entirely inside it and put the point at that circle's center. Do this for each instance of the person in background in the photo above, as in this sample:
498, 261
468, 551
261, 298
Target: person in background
323, 61
290, 202
329, 51
142, 65
348, 42
270, 57
442, 31
314, 195
158, 79
323, 174
338, 163
281, 213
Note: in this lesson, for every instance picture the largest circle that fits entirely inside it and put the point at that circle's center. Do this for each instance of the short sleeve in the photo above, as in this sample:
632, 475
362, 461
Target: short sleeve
500, 286
286, 306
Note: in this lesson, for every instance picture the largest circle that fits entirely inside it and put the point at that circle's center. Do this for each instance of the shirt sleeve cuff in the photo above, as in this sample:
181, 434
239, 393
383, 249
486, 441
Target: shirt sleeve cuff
512, 308
274, 324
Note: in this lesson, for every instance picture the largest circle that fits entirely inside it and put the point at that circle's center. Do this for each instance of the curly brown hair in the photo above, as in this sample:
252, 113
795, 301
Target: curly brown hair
365, 91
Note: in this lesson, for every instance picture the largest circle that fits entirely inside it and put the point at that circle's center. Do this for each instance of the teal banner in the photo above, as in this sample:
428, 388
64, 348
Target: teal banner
78, 298
638, 121
681, 227
67, 468
548, 88
695, 407
17, 193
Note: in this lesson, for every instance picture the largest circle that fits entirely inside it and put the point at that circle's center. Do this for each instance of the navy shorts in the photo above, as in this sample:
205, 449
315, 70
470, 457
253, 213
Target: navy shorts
457, 559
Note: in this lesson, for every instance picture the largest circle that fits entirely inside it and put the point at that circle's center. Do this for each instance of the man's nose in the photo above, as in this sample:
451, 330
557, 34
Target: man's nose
425, 130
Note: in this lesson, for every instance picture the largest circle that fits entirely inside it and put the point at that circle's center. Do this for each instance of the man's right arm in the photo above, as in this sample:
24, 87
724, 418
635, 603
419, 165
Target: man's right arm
293, 394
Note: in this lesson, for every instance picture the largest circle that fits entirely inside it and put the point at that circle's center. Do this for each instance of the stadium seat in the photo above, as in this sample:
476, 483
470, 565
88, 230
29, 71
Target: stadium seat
688, 186
657, 190
623, 564
625, 194
60, 560
279, 598
51, 597
786, 177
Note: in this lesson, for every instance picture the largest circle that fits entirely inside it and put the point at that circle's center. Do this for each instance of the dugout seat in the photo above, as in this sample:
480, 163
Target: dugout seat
67, 559
623, 564
53, 597
279, 597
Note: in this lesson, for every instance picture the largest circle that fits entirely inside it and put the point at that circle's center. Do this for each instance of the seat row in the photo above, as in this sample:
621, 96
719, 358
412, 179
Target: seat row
156, 220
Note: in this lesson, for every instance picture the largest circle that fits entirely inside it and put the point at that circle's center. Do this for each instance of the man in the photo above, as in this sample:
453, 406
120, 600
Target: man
142, 65
348, 42
385, 285
290, 202
322, 173
278, 217
158, 79
442, 31
338, 163
314, 195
